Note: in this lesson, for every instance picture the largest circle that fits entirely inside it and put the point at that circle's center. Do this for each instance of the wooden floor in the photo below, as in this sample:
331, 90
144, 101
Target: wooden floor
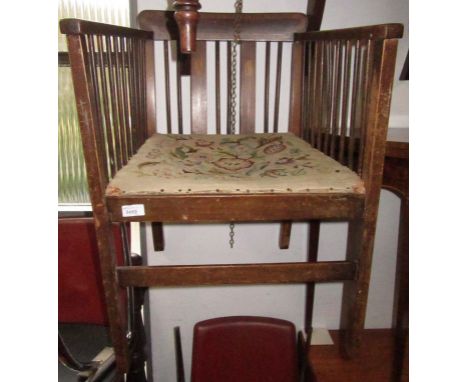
375, 363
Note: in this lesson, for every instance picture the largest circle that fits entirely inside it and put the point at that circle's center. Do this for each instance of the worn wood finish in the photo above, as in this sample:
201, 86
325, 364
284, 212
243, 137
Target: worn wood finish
198, 89
220, 26
362, 231
247, 87
239, 208
235, 274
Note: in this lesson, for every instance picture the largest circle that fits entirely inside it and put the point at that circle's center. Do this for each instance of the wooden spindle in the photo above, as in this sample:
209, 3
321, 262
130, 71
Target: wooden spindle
198, 90
218, 88
179, 94
338, 77
105, 96
278, 86
186, 16
328, 95
367, 67
131, 93
267, 87
150, 85
247, 92
167, 82
345, 100
229, 86
319, 97
120, 105
113, 98
312, 93
354, 104
126, 103
97, 104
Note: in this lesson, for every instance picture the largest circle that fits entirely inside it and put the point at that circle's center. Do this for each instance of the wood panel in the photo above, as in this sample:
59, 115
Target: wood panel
247, 93
199, 97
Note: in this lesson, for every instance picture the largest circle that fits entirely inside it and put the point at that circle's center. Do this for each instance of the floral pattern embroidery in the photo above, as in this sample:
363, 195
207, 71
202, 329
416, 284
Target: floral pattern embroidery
269, 156
249, 163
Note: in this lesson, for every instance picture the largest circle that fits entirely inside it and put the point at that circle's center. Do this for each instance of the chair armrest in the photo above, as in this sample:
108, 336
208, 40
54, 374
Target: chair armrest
79, 27
371, 32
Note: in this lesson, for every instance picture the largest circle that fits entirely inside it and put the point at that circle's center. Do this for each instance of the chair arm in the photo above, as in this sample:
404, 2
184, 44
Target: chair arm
78, 27
371, 32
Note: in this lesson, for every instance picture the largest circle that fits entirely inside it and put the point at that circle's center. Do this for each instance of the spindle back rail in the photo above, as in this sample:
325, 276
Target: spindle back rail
339, 100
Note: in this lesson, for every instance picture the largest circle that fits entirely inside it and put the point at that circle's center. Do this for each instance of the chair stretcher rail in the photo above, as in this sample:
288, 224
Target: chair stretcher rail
235, 274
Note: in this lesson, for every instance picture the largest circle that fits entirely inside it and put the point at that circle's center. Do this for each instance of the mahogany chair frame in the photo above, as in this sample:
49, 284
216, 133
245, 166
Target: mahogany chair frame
126, 115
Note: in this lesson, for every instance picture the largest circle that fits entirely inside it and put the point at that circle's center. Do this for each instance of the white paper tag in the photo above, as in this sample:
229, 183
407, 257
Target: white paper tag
133, 210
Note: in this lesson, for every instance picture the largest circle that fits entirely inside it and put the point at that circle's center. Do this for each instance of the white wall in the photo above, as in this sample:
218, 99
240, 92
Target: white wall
197, 244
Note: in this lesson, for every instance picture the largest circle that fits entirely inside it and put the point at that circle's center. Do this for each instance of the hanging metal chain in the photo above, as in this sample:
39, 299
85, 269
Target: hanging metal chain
233, 91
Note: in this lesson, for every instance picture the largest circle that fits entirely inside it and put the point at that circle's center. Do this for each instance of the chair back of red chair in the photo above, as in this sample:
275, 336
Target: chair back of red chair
244, 348
80, 292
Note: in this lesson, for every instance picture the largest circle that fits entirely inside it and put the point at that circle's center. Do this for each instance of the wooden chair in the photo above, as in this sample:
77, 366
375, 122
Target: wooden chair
340, 91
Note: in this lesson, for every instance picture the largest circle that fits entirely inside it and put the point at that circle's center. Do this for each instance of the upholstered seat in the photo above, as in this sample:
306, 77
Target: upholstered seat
246, 163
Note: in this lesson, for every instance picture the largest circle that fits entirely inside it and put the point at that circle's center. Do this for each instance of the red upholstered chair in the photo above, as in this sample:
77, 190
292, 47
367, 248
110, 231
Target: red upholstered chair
81, 295
247, 349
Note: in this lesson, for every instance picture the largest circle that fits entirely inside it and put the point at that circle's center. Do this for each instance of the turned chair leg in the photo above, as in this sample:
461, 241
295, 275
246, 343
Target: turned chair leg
361, 234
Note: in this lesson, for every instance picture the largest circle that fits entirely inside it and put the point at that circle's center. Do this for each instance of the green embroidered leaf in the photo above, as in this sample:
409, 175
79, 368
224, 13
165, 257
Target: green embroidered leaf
179, 153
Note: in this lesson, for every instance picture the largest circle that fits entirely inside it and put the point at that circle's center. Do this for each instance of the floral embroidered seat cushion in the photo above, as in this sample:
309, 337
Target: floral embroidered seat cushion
246, 163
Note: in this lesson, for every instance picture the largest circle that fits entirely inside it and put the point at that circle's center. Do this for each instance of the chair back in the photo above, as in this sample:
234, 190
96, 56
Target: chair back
195, 90
244, 348
80, 291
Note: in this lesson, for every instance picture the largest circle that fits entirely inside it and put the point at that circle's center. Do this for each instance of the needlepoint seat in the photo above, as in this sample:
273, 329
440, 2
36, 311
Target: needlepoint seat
246, 163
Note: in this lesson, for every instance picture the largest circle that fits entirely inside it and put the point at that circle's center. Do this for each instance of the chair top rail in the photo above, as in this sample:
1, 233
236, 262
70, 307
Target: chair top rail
220, 26
80, 27
371, 32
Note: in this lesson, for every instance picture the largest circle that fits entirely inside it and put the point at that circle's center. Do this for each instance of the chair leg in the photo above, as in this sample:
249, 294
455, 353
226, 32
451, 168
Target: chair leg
115, 308
361, 234
314, 234
158, 236
138, 342
285, 234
